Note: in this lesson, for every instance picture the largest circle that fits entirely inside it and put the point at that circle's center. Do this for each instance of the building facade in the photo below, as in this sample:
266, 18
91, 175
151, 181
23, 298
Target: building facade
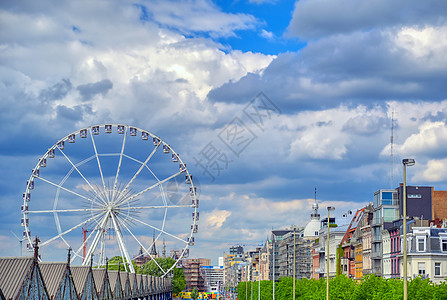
427, 253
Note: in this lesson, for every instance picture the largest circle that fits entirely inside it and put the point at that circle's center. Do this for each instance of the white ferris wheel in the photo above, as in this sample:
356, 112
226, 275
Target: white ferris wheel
111, 190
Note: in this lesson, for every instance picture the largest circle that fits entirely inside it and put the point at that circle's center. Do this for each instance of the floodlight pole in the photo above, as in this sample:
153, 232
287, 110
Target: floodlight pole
259, 275
294, 243
273, 247
405, 162
329, 208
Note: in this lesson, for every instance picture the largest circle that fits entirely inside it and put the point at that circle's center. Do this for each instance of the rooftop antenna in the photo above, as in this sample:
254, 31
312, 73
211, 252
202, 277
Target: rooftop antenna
20, 241
392, 150
315, 215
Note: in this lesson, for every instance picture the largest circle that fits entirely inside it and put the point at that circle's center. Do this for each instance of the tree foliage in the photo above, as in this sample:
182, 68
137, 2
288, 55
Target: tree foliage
117, 262
194, 293
178, 279
371, 287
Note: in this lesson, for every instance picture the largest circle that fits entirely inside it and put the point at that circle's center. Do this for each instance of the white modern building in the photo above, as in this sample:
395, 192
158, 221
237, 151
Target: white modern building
213, 277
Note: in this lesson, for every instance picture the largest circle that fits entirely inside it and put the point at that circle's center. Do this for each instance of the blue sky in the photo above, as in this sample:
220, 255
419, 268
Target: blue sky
332, 74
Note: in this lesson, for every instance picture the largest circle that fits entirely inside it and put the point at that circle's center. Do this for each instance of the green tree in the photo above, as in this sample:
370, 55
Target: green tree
117, 261
178, 279
194, 294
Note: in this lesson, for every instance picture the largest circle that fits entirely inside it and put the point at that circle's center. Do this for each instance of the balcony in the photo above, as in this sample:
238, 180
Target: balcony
377, 221
376, 255
376, 239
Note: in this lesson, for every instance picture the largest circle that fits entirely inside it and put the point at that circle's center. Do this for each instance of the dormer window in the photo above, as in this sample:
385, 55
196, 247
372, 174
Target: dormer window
420, 244
444, 244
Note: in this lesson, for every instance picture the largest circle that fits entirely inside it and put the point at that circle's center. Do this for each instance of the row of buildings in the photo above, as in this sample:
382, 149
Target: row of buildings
363, 241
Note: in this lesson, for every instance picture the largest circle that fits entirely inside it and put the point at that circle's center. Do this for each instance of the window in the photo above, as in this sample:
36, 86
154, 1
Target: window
414, 196
444, 245
389, 214
377, 200
387, 198
438, 269
420, 244
421, 268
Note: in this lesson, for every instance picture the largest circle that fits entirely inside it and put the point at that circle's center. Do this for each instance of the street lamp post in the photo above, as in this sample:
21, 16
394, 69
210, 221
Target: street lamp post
406, 162
329, 209
246, 281
273, 247
259, 275
294, 243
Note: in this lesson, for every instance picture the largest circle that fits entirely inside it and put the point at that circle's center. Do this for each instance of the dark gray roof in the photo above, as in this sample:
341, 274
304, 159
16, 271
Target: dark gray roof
145, 284
125, 284
102, 283
11, 282
80, 276
133, 284
281, 232
99, 275
113, 278
437, 231
139, 278
52, 274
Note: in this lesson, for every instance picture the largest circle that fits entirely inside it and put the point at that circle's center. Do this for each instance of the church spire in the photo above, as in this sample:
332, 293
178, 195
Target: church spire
153, 251
315, 215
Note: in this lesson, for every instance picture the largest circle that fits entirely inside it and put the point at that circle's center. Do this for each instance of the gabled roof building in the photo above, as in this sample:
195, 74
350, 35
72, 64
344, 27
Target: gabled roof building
115, 284
102, 283
125, 284
58, 280
21, 278
84, 282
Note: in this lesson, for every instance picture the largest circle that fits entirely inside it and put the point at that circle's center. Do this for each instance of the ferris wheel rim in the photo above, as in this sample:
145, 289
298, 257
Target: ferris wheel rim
104, 215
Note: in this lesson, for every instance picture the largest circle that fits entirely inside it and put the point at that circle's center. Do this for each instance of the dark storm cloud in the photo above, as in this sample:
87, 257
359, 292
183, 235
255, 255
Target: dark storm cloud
361, 68
89, 90
72, 114
363, 125
319, 18
57, 91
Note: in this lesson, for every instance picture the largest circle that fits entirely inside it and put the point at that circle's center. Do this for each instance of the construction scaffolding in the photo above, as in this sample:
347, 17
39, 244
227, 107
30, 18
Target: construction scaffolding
193, 274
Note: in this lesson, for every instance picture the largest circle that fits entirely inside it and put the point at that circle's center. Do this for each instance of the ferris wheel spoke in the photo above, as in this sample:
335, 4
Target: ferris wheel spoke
150, 188
144, 248
99, 231
141, 168
82, 175
68, 190
121, 243
119, 163
97, 160
155, 206
70, 230
63, 210
158, 229
76, 253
